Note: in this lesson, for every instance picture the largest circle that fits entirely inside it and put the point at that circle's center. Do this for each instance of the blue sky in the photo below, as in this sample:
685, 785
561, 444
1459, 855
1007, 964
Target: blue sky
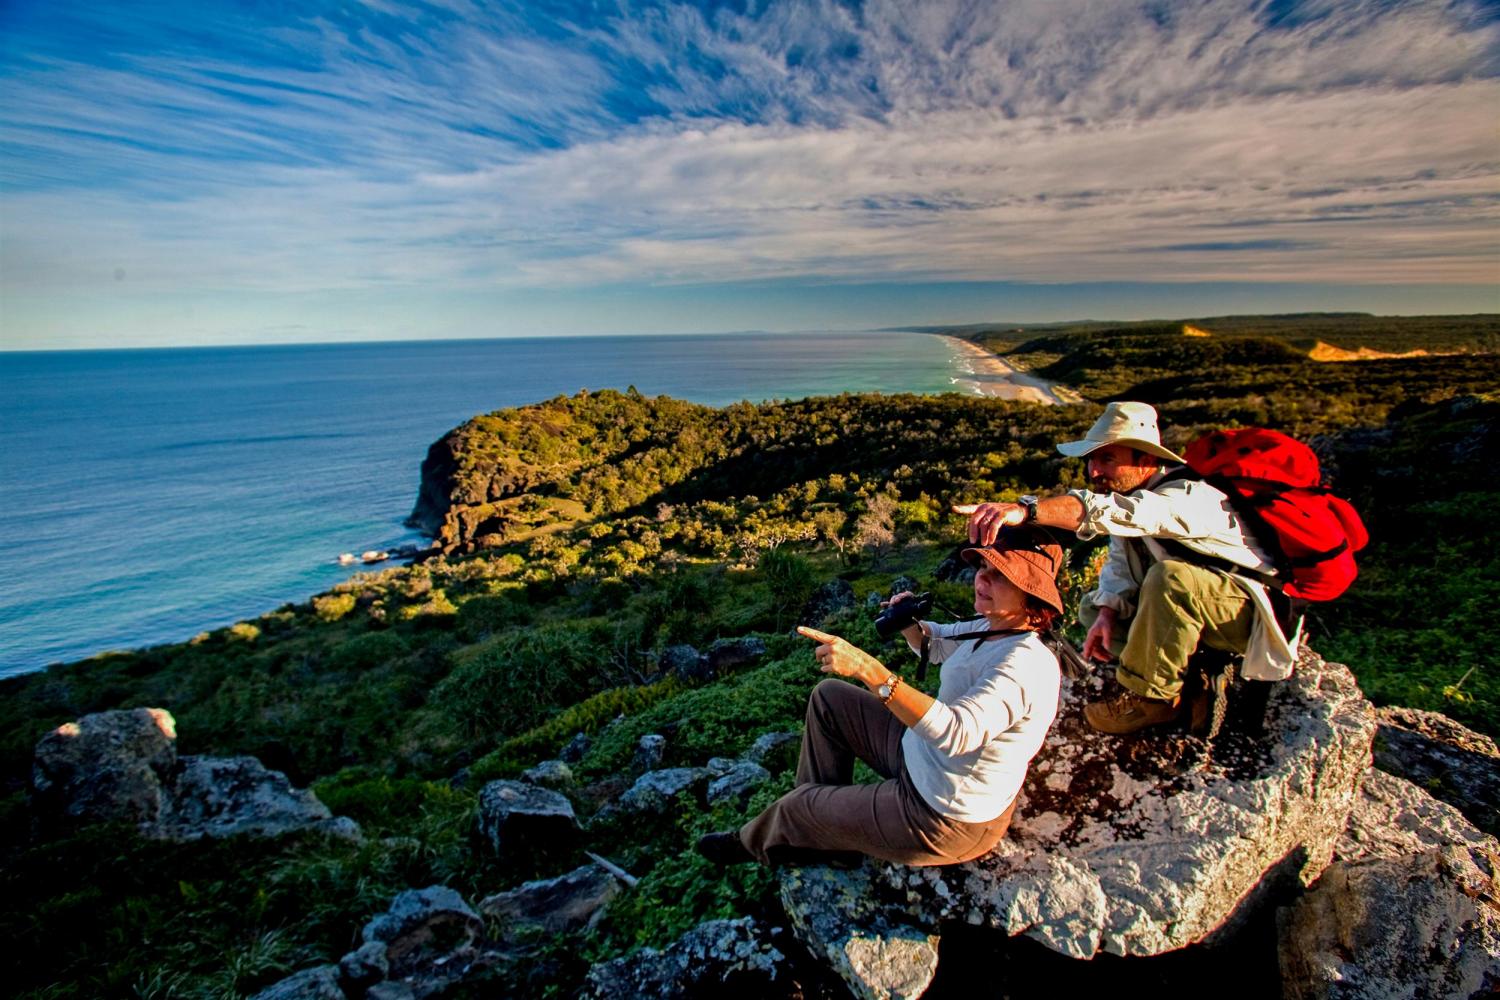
207, 173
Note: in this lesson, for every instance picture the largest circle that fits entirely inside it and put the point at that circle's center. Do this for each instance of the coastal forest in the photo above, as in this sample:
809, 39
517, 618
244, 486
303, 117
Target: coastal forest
583, 543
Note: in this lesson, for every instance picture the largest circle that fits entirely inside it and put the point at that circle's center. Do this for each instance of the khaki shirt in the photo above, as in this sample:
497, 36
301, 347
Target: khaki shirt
1201, 517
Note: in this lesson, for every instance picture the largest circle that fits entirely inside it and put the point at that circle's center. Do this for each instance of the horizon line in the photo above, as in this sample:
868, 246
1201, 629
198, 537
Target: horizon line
923, 328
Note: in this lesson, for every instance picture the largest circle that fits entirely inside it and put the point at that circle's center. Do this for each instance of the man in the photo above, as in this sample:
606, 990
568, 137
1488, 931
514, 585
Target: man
1155, 603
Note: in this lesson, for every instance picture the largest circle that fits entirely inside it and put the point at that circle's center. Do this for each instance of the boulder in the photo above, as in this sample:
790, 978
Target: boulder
568, 903
549, 774
835, 595
1456, 764
649, 751
776, 751
1407, 909
654, 791
904, 583
954, 570
720, 957
387, 990
514, 814
575, 749
430, 937
108, 767
724, 655
1138, 845
737, 783
364, 966
231, 796
122, 766
840, 920
1421, 925
684, 661
318, 983
1394, 818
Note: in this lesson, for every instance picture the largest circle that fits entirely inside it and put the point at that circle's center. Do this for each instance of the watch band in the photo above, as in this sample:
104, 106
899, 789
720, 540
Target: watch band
887, 691
1029, 502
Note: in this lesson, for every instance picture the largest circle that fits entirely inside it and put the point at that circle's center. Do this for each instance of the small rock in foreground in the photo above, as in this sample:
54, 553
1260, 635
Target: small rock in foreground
721, 957
565, 904
514, 815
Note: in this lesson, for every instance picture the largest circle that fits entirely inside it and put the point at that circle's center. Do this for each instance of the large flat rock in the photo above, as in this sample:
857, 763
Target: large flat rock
1140, 845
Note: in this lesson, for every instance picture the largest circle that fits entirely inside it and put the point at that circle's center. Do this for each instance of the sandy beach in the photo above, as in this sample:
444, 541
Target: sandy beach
989, 376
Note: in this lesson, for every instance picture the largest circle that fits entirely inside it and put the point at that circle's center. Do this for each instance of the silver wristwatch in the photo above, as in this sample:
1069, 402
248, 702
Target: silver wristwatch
1029, 502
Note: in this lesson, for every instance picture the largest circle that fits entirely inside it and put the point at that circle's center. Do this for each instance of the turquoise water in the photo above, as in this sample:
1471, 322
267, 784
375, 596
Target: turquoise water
146, 496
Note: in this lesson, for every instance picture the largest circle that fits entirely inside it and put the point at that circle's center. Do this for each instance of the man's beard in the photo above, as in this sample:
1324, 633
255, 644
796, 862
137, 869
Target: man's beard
1117, 484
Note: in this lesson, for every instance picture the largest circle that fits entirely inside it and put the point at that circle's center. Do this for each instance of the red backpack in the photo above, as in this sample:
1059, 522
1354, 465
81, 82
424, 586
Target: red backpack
1275, 485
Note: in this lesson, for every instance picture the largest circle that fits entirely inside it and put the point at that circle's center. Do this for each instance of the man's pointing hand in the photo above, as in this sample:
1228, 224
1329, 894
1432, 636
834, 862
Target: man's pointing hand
986, 519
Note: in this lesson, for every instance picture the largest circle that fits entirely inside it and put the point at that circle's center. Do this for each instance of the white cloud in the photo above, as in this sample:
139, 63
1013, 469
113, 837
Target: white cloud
1036, 141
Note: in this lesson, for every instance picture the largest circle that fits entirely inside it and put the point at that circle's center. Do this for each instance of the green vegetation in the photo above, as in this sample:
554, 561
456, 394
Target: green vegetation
604, 528
1473, 334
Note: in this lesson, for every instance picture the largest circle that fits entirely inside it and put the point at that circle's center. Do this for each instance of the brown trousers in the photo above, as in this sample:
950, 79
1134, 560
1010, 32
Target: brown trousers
888, 820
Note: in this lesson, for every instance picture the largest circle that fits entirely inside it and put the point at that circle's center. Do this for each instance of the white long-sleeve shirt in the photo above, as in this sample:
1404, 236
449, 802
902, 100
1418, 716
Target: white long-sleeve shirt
968, 754
1201, 517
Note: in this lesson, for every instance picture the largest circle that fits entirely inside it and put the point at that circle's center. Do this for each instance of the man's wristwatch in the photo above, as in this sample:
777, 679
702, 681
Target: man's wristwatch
887, 690
1029, 502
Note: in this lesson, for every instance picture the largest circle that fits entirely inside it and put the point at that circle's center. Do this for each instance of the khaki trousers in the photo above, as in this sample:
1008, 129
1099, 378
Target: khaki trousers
888, 820
1179, 606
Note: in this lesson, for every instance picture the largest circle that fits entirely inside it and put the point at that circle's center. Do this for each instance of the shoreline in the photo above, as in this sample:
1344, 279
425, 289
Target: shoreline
994, 377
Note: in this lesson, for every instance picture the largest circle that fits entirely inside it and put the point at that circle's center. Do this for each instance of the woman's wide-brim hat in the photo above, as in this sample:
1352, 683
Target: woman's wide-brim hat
1030, 558
1130, 424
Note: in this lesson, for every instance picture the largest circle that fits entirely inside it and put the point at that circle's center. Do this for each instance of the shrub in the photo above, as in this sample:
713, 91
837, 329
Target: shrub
481, 617
509, 683
719, 720
332, 607
368, 650
789, 578
588, 716
379, 801
436, 607
243, 632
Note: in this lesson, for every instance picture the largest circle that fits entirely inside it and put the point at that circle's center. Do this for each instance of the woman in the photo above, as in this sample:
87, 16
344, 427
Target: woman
952, 765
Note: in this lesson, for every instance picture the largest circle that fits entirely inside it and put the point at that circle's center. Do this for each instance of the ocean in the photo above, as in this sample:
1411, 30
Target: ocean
149, 495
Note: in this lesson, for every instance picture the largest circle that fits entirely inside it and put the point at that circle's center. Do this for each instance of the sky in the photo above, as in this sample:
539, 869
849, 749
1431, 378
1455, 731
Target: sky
207, 173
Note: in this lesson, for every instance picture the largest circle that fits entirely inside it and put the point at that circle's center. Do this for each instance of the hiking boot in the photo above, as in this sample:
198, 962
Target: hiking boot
1128, 712
1200, 711
724, 848
1206, 690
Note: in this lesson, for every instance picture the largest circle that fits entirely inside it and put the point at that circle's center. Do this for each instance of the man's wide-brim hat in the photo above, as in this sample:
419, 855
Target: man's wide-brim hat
1130, 424
1030, 558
